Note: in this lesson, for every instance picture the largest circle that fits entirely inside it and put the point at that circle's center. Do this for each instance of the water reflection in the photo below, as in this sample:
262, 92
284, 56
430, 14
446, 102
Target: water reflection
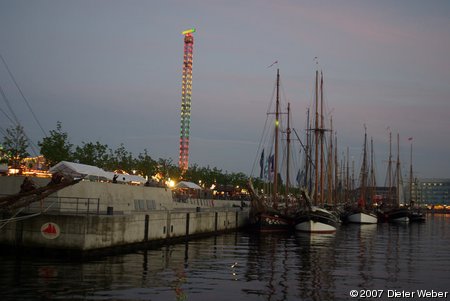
316, 262
243, 265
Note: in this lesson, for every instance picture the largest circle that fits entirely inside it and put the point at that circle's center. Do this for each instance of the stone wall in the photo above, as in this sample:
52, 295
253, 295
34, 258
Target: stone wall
94, 232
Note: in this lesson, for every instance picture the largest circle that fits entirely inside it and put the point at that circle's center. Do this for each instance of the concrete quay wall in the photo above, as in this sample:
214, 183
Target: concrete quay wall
97, 197
82, 233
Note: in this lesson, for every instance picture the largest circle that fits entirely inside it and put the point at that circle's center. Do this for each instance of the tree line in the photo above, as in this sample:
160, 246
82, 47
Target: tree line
57, 147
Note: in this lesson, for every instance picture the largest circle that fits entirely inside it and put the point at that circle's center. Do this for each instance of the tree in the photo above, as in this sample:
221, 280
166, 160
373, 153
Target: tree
123, 159
164, 167
238, 179
93, 154
145, 165
3, 157
15, 144
56, 147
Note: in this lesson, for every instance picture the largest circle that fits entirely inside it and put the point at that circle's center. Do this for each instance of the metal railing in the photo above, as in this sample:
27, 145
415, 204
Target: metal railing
69, 205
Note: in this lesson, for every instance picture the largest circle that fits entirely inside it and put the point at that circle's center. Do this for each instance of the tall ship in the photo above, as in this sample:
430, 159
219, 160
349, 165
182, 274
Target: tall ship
415, 215
362, 212
392, 209
272, 211
313, 216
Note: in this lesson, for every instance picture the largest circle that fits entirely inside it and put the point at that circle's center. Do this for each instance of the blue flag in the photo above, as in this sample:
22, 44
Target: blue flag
261, 165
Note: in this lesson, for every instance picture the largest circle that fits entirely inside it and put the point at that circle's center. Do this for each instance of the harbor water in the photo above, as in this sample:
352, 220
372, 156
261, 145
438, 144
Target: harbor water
357, 261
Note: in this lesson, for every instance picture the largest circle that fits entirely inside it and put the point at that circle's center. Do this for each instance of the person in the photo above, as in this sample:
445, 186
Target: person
56, 179
27, 185
115, 178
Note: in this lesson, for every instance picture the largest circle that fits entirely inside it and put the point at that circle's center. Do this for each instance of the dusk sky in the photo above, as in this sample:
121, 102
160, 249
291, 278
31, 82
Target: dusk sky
110, 71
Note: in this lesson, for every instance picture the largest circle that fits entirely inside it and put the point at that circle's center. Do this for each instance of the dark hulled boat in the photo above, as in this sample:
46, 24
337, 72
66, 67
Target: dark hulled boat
314, 219
398, 215
416, 216
265, 214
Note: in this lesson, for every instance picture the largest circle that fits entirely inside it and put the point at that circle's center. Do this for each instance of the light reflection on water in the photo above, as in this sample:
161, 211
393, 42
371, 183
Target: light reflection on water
242, 265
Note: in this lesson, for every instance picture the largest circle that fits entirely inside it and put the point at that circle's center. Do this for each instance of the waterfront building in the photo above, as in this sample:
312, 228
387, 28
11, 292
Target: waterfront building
432, 191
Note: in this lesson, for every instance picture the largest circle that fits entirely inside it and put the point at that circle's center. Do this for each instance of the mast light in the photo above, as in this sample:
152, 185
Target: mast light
188, 31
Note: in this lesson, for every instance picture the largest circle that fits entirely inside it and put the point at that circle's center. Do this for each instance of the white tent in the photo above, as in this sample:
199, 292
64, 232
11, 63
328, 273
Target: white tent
184, 184
77, 170
125, 178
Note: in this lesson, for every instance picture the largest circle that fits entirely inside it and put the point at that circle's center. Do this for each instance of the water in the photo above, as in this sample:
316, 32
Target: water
245, 266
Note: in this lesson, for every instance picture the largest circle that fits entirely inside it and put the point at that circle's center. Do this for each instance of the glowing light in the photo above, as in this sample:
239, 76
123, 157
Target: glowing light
186, 90
191, 30
13, 171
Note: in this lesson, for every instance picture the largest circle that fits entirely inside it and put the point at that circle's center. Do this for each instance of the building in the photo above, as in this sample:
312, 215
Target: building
432, 191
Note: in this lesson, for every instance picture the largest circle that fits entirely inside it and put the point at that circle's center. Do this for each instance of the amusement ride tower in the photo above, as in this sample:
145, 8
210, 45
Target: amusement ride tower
186, 90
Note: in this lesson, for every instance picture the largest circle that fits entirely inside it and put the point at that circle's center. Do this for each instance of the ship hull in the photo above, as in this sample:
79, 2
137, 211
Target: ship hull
316, 220
362, 218
416, 217
398, 215
270, 222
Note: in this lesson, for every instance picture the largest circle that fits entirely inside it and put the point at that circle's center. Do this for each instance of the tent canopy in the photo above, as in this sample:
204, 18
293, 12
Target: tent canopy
190, 185
77, 170
125, 178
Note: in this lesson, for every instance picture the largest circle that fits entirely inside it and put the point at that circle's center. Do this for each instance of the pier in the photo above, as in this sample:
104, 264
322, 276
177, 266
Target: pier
92, 217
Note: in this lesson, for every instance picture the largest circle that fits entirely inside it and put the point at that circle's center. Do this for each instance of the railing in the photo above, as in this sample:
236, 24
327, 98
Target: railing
70, 205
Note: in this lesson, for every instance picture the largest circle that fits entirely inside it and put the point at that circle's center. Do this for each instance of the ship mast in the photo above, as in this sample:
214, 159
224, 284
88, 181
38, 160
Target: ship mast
410, 176
308, 152
373, 184
288, 142
321, 133
347, 177
398, 175
330, 167
390, 171
336, 170
363, 175
316, 141
277, 122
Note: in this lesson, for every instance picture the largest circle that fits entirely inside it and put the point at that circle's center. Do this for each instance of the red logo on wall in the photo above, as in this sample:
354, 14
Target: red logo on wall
50, 230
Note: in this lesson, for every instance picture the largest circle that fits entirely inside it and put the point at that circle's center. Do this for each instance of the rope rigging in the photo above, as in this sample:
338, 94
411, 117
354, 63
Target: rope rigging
23, 95
14, 119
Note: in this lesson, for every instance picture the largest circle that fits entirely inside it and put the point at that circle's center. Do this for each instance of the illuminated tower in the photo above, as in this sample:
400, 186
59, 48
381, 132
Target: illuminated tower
186, 90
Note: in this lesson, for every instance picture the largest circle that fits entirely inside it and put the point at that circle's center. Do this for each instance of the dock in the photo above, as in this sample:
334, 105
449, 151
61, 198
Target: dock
95, 217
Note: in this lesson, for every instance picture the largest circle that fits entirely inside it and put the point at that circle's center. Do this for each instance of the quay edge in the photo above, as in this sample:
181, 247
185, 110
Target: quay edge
83, 220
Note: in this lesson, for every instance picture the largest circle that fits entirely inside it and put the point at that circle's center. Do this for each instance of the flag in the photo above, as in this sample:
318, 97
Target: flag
271, 166
261, 165
271, 162
276, 62
300, 177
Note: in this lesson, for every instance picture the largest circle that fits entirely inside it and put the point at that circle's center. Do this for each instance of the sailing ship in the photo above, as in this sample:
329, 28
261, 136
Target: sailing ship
272, 212
361, 213
415, 214
313, 217
391, 211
